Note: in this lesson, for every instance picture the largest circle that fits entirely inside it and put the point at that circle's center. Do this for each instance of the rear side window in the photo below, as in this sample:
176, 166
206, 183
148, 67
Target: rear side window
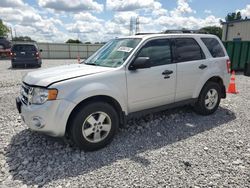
158, 50
214, 47
187, 49
24, 48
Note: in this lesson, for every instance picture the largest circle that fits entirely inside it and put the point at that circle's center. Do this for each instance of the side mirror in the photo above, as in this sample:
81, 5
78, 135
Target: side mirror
140, 63
40, 50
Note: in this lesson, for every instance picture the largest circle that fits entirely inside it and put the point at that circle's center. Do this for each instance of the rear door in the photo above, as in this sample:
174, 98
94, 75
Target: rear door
191, 65
25, 51
154, 86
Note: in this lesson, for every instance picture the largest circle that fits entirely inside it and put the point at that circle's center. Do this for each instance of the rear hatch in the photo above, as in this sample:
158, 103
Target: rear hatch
25, 52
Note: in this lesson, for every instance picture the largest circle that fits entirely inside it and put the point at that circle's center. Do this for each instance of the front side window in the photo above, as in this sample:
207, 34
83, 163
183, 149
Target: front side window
114, 53
158, 50
214, 47
187, 49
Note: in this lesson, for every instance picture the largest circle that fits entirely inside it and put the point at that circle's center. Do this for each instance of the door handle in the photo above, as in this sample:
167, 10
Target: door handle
202, 66
167, 72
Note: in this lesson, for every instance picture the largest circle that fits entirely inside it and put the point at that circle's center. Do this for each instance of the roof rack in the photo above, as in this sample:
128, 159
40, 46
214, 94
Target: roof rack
145, 33
184, 31
176, 31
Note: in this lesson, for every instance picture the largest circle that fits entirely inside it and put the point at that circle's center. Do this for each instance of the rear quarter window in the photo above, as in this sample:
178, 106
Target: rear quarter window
214, 47
187, 49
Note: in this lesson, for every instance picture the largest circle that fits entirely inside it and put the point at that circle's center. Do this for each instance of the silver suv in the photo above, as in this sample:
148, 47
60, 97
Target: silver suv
127, 76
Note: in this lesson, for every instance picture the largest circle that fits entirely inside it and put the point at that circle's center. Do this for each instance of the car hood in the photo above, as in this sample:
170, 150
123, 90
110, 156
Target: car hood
46, 77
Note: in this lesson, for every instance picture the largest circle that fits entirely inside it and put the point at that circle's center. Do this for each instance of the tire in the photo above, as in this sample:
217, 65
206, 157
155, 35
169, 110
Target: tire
209, 99
247, 69
13, 66
87, 130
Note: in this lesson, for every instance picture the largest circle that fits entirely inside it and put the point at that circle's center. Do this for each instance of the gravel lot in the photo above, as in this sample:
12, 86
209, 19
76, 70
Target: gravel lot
174, 148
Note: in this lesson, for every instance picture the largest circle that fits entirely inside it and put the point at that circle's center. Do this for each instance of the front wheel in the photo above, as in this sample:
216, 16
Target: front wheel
94, 126
209, 99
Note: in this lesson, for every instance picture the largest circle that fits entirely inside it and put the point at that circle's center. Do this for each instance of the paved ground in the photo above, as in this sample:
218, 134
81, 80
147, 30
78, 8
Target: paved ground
174, 148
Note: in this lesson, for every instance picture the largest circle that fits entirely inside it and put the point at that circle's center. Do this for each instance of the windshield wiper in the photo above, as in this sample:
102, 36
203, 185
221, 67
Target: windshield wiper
90, 64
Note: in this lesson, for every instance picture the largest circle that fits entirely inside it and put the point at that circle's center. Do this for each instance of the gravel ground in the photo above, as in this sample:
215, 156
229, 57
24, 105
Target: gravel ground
174, 148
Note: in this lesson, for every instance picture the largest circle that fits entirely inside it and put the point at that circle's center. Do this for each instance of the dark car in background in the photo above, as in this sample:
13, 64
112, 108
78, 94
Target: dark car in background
25, 55
5, 46
4, 43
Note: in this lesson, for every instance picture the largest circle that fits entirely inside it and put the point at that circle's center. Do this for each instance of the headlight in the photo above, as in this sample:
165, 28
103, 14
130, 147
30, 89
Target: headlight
41, 95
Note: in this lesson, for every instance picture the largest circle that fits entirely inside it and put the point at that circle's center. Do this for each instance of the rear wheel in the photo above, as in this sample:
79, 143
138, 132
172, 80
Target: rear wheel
94, 126
209, 99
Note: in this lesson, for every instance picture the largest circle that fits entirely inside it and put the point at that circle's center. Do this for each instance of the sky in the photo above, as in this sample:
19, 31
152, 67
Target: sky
102, 20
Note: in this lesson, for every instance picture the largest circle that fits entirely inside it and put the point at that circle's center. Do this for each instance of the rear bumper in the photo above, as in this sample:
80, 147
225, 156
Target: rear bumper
26, 62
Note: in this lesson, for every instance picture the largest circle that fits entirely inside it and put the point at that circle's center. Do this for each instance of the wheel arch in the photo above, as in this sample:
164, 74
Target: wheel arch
215, 79
103, 98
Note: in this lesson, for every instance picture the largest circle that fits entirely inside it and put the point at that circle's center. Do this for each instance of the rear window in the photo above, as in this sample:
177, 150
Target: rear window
187, 49
24, 48
214, 47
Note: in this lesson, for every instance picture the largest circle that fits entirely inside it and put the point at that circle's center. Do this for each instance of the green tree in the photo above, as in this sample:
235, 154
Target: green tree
233, 16
214, 30
73, 41
23, 38
4, 30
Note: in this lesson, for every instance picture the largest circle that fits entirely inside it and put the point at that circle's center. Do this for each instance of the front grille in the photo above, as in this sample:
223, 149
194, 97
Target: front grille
25, 91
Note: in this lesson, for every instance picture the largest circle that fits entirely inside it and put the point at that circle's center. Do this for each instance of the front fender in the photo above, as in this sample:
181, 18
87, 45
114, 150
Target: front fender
96, 89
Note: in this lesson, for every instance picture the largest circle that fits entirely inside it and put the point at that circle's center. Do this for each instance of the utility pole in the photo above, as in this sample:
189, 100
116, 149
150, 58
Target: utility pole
15, 32
137, 24
11, 35
131, 29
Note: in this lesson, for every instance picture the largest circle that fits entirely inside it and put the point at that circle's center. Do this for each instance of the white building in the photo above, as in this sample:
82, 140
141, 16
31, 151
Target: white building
238, 30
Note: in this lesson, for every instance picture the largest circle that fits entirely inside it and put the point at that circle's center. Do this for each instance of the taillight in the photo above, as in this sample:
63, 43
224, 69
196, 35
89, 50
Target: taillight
228, 66
37, 55
12, 54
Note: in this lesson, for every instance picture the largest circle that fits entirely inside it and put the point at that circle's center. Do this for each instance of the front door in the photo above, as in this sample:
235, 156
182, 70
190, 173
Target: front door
154, 86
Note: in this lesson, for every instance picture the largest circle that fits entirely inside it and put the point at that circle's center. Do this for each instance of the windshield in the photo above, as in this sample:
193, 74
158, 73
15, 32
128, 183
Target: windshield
114, 53
24, 48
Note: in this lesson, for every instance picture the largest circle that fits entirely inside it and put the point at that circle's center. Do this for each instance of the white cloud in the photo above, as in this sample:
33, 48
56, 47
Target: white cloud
187, 22
182, 8
245, 12
128, 5
59, 20
124, 17
158, 10
26, 21
208, 11
73, 5
86, 16
114, 29
11, 3
84, 27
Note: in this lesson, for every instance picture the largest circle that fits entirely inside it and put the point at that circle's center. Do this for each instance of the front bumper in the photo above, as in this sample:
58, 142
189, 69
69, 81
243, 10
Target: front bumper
49, 118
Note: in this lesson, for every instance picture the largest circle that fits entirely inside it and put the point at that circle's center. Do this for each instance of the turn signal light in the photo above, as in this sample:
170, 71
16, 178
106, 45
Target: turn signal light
52, 94
228, 66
